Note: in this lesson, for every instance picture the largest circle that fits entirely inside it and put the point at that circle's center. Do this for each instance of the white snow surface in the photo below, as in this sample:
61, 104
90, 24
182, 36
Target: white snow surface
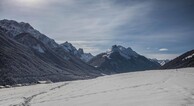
146, 88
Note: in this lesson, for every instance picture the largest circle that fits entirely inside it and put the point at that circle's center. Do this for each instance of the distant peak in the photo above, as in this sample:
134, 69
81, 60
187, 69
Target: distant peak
125, 52
81, 51
69, 47
67, 44
129, 48
115, 48
120, 48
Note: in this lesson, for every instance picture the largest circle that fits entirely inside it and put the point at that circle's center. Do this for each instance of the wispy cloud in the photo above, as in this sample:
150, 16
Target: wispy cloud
163, 49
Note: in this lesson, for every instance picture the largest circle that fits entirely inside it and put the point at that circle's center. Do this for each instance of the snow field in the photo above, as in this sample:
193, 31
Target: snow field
145, 88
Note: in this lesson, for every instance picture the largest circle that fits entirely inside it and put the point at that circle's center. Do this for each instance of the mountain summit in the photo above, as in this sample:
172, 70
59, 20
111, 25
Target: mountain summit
120, 59
125, 52
68, 47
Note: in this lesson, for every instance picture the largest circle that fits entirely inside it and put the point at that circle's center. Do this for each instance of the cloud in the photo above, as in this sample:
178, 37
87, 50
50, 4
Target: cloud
96, 25
78, 20
163, 49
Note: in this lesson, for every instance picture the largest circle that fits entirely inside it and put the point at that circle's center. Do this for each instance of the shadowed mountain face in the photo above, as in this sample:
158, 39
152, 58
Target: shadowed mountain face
64, 60
25, 58
185, 60
120, 60
15, 28
20, 65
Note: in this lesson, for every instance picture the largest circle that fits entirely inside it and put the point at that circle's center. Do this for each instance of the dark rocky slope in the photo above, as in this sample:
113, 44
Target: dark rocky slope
26, 59
184, 60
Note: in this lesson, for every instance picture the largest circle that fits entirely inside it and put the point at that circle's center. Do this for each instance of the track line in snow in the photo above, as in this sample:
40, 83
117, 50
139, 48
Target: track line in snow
27, 100
100, 92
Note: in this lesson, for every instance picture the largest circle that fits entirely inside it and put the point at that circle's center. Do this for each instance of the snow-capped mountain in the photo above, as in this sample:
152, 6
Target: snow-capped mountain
184, 60
125, 52
68, 47
120, 59
14, 28
161, 62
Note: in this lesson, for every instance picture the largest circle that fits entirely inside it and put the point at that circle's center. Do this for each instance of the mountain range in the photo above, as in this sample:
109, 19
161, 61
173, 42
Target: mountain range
28, 56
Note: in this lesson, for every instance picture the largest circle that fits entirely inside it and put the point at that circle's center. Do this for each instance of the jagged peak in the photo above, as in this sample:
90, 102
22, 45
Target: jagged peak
125, 52
67, 44
81, 51
68, 47
119, 48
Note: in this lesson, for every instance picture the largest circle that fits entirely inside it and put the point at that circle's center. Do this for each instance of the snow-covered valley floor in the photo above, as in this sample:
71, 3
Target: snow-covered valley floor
146, 88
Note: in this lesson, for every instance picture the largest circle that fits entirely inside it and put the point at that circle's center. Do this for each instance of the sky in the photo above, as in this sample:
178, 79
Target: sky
161, 29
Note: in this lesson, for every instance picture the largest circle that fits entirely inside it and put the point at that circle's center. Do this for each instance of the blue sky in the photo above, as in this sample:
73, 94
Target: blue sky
160, 29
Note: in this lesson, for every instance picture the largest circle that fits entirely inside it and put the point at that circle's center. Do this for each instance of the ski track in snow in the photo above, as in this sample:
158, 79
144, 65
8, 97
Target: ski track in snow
146, 88
28, 99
